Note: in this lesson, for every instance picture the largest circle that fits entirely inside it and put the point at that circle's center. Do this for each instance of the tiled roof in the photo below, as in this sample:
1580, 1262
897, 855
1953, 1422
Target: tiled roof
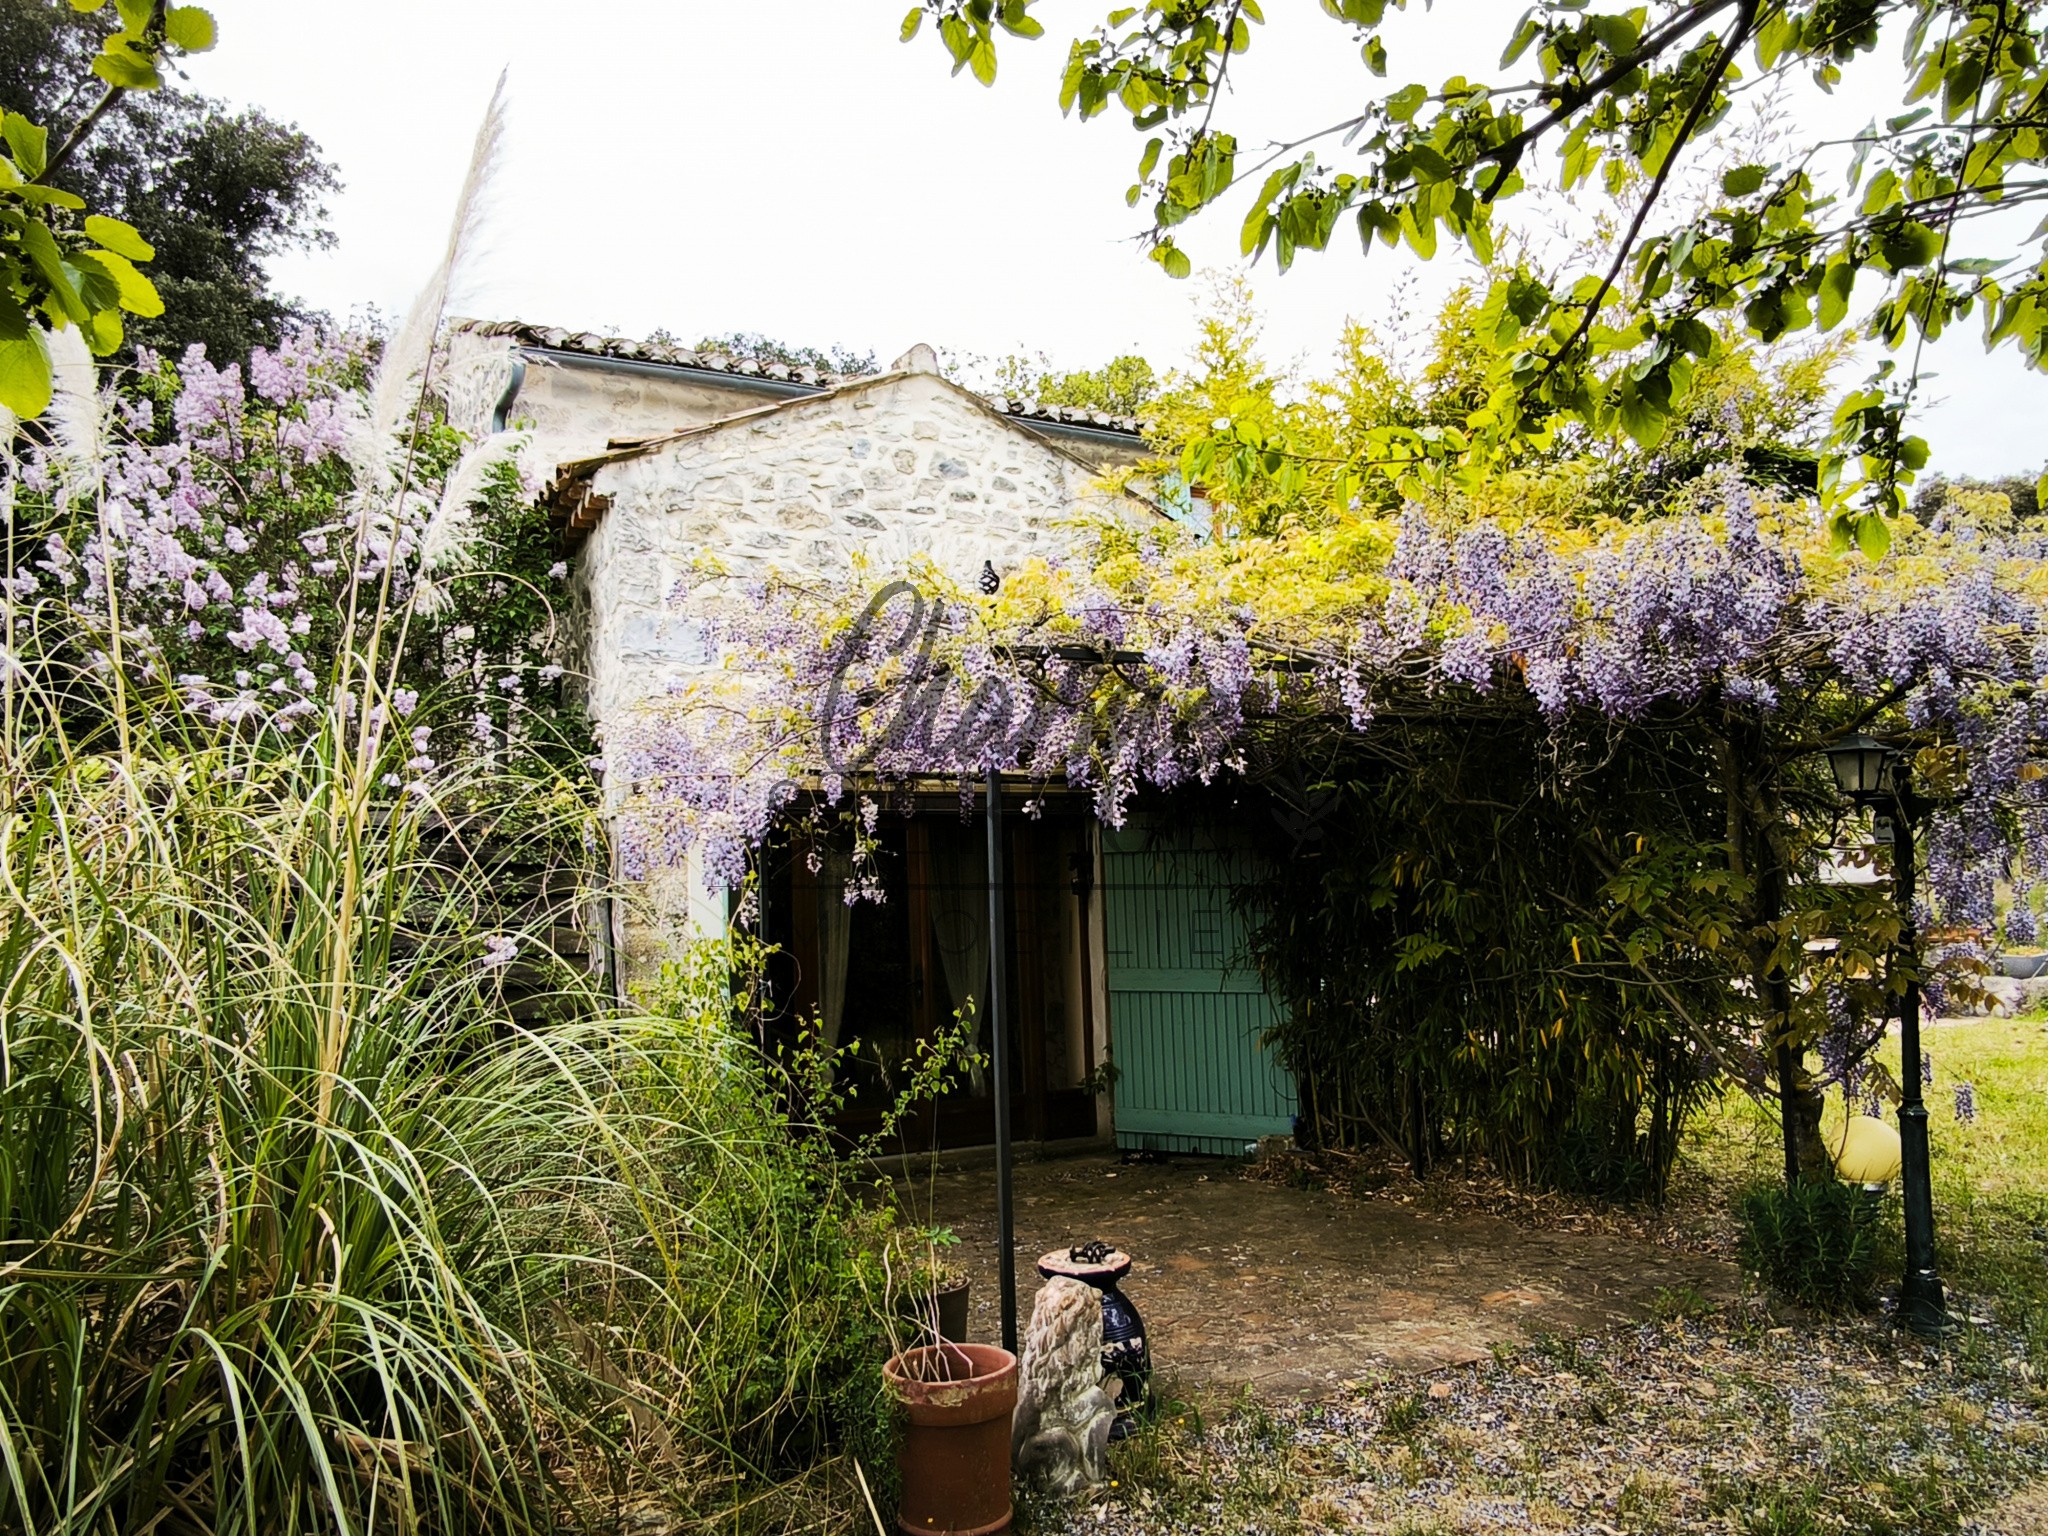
1067, 415
590, 344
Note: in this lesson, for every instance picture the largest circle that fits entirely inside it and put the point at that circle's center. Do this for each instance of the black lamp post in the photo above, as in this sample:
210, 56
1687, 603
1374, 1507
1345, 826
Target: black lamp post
1870, 773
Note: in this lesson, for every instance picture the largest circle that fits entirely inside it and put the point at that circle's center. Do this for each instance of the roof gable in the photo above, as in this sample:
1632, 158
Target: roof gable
577, 505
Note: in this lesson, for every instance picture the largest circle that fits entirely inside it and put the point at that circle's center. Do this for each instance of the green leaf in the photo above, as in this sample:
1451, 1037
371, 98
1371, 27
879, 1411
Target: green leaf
41, 248
982, 60
1013, 20
1873, 535
1960, 86
191, 28
1742, 181
138, 294
122, 239
1836, 285
1420, 228
1882, 192
1258, 222
30, 145
1525, 34
1908, 243
135, 14
1427, 165
959, 40
1256, 230
46, 197
1172, 258
911, 23
121, 65
103, 331
1406, 102
24, 362
1374, 53
1617, 34
1771, 38
1478, 233
88, 6
1693, 335
98, 289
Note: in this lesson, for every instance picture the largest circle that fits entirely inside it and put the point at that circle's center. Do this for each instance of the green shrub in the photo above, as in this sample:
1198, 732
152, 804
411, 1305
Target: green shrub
1815, 1242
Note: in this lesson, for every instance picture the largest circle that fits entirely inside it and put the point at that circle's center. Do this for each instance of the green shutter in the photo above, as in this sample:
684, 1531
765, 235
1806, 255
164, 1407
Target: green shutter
1185, 1011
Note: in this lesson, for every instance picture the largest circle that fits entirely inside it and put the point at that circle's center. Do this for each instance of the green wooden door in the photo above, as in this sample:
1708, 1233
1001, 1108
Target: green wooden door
1185, 1011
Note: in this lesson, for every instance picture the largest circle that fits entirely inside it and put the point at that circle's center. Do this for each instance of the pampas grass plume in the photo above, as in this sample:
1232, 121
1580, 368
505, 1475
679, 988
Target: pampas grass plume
377, 438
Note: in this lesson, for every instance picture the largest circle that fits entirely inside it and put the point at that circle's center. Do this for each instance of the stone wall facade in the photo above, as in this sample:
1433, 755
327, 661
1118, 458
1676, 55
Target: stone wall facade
904, 468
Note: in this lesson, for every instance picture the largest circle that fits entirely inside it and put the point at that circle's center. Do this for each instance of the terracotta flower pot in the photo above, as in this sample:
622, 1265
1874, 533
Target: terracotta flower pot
955, 1457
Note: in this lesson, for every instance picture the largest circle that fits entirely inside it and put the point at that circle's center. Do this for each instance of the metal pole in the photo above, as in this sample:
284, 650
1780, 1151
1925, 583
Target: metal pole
999, 1040
1921, 1304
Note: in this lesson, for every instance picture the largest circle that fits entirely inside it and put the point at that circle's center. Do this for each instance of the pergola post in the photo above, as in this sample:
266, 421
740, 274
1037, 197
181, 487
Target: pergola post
999, 1042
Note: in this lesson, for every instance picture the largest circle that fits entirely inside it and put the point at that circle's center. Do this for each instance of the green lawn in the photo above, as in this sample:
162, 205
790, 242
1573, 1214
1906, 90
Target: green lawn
1990, 1176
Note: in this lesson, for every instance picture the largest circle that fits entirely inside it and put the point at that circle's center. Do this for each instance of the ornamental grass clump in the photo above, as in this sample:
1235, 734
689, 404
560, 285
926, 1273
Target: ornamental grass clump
303, 1229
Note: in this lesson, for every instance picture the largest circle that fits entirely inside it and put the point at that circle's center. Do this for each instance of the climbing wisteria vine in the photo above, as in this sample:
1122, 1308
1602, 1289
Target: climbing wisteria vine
1147, 659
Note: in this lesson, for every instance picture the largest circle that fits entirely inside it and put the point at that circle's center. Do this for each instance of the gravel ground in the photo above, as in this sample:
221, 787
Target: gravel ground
1738, 1421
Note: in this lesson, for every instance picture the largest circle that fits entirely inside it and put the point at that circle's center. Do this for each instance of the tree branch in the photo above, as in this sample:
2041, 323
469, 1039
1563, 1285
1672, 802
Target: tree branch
1509, 152
1708, 88
77, 136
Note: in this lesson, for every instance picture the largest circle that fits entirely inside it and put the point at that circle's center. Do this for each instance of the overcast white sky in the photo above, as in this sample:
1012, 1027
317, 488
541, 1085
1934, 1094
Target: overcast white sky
715, 165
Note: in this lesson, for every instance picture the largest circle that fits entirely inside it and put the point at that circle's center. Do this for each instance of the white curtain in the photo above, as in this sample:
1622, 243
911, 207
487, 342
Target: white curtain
835, 943
959, 903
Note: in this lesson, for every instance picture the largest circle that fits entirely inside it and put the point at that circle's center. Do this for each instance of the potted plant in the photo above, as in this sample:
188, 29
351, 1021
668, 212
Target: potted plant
954, 1457
956, 1398
932, 1296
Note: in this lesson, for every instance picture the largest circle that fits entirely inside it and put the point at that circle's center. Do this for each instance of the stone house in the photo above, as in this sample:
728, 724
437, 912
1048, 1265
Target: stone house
1121, 946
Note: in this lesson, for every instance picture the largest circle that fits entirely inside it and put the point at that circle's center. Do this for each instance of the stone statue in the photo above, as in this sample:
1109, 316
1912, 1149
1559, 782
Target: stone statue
1060, 1436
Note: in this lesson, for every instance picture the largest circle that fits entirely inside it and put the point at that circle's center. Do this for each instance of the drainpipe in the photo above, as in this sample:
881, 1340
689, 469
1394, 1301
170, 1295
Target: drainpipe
502, 412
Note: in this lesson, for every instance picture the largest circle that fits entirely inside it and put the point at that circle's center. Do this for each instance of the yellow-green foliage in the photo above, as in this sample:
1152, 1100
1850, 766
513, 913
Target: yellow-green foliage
1276, 451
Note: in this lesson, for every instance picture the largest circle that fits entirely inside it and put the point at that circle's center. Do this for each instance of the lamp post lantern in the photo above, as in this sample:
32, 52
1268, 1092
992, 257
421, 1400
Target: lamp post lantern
1863, 768
1871, 773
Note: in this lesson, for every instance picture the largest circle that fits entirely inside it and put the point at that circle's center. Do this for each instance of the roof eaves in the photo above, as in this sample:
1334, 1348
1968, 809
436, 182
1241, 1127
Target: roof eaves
553, 338
590, 344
